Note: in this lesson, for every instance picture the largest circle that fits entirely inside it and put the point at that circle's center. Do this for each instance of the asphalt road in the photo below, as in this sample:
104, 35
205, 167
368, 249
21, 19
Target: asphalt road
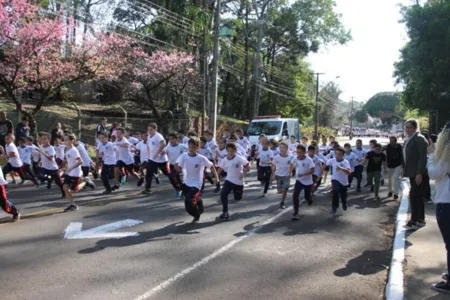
259, 254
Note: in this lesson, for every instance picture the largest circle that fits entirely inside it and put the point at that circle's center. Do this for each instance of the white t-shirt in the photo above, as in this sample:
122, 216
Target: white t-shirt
35, 153
174, 152
193, 169
245, 143
49, 164
206, 152
351, 158
25, 154
84, 155
265, 157
124, 152
292, 147
303, 166
133, 140
337, 174
360, 154
107, 153
324, 148
317, 164
154, 143
15, 161
2, 178
212, 144
275, 151
143, 151
331, 155
60, 151
234, 168
219, 154
72, 155
185, 140
282, 164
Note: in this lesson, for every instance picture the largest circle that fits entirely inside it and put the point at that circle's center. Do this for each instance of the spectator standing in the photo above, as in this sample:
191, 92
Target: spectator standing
6, 127
57, 133
439, 170
22, 129
101, 128
394, 155
415, 168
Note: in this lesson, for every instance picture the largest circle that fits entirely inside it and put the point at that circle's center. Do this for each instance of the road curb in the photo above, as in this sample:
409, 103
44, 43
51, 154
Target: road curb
395, 284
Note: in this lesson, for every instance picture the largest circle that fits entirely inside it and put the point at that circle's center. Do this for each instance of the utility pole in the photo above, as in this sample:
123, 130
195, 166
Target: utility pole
205, 78
316, 112
351, 120
215, 75
261, 21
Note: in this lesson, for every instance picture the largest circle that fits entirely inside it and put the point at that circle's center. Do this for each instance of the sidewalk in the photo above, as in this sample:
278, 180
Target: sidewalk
425, 260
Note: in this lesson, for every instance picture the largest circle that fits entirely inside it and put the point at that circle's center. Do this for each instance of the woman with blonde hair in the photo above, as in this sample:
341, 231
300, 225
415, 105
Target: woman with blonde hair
439, 170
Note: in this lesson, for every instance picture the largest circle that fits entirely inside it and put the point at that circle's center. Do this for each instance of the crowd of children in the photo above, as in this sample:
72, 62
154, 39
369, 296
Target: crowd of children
190, 161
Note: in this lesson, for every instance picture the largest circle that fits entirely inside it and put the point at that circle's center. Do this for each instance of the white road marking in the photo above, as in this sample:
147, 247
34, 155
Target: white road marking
73, 231
206, 260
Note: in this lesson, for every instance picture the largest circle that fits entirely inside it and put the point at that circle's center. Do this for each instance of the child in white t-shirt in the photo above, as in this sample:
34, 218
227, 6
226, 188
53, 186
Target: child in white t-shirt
7, 206
236, 167
193, 165
292, 144
281, 164
339, 179
173, 151
265, 166
72, 172
352, 159
304, 167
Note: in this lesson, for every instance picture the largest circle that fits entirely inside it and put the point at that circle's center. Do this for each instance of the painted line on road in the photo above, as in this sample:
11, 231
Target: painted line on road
207, 259
394, 288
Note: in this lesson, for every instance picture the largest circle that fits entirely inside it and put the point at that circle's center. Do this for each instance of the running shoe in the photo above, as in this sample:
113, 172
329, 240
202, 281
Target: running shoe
71, 207
421, 224
13, 181
358, 190
16, 216
217, 189
282, 206
295, 217
390, 194
310, 202
445, 276
147, 192
140, 182
264, 195
107, 192
224, 217
196, 219
115, 187
344, 206
443, 287
395, 197
49, 183
411, 226
333, 210
382, 182
178, 194
157, 179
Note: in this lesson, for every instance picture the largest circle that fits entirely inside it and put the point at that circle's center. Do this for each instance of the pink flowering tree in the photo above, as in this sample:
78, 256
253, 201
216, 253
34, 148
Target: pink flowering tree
153, 76
35, 57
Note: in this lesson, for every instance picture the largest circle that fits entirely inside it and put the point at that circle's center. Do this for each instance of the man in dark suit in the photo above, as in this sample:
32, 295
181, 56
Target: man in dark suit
415, 168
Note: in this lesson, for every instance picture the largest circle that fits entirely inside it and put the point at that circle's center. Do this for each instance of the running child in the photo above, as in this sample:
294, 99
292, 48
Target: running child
240, 150
324, 147
49, 168
25, 155
281, 164
87, 164
173, 151
125, 162
211, 141
318, 167
265, 169
360, 153
304, 167
339, 179
142, 148
292, 144
375, 161
107, 152
14, 163
206, 152
304, 142
7, 206
72, 172
243, 142
351, 158
236, 167
193, 165
219, 153
60, 147
274, 147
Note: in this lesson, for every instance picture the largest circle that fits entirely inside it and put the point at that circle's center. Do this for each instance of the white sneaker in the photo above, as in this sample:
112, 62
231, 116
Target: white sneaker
264, 195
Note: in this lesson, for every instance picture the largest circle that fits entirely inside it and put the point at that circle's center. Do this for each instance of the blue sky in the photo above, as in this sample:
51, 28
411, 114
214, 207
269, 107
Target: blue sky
365, 65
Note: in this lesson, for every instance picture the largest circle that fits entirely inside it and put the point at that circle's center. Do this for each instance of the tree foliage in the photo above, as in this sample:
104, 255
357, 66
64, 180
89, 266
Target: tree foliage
424, 62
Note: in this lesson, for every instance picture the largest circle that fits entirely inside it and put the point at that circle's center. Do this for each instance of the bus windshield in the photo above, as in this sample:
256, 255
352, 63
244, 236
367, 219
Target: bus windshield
266, 127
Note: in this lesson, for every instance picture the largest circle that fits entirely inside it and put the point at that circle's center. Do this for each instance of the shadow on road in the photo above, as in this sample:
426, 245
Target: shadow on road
368, 263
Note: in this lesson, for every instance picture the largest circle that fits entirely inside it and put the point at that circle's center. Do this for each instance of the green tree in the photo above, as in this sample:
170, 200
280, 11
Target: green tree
424, 61
361, 116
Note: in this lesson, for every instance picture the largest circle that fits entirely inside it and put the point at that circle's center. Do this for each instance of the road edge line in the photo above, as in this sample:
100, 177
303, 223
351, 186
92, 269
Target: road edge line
395, 284
207, 258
